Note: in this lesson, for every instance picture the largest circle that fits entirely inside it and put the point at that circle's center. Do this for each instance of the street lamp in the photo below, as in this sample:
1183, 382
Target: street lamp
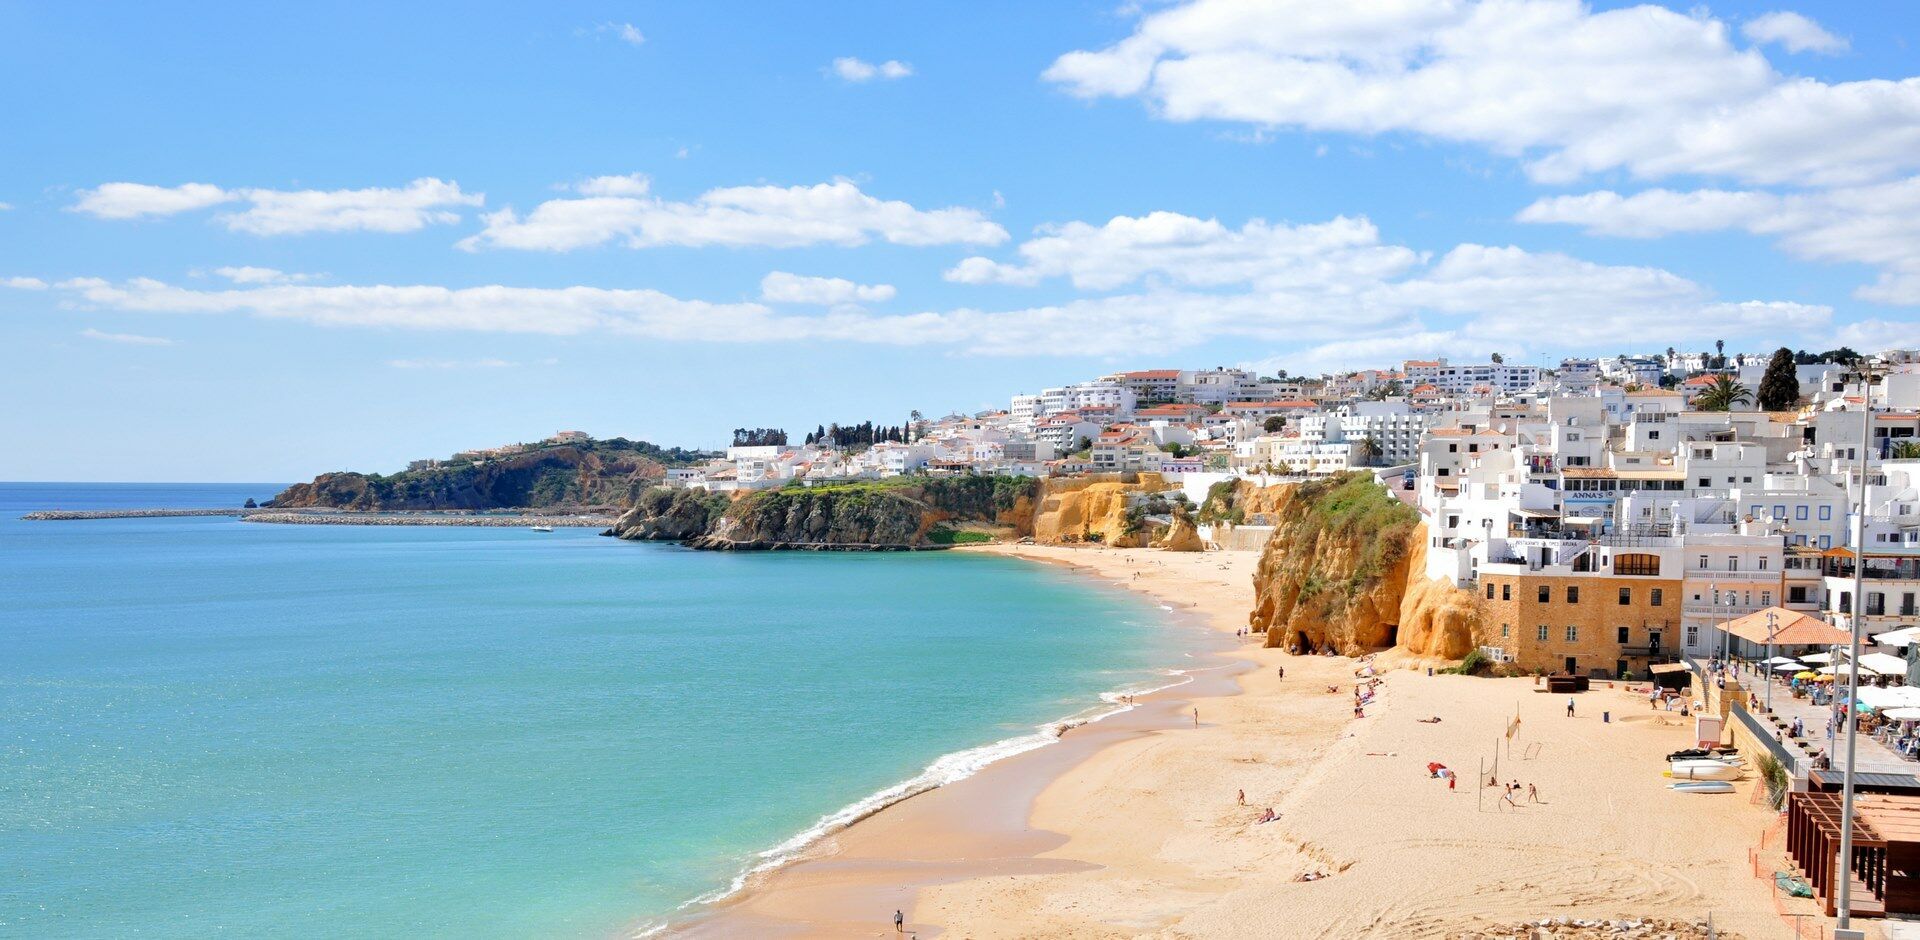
1858, 609
1772, 619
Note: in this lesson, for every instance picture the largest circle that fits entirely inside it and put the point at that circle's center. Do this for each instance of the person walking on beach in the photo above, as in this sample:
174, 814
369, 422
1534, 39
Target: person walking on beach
1569, 706
1196, 718
899, 922
1533, 793
1243, 797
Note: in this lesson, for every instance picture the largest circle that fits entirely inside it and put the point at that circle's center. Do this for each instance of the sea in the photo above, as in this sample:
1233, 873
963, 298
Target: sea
212, 727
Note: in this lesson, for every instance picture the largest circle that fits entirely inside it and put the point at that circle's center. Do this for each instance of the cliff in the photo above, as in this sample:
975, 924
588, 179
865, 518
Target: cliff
1091, 509
598, 473
1345, 568
896, 514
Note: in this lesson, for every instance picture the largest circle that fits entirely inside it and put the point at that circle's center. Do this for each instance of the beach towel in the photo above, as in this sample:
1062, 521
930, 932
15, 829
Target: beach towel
1792, 885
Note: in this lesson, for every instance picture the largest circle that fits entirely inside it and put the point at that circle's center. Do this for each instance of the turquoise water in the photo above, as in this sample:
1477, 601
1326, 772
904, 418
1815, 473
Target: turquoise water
209, 726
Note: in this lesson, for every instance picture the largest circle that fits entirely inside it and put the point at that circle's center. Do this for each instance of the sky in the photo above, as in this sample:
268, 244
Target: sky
256, 243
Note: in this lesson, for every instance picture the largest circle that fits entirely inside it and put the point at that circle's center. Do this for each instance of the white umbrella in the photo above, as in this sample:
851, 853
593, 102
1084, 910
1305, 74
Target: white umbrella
1789, 666
1817, 658
1883, 663
1782, 660
1898, 638
1846, 670
1903, 713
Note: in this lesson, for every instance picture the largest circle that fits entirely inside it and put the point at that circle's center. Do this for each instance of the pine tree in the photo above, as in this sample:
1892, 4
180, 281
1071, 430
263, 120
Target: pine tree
1780, 387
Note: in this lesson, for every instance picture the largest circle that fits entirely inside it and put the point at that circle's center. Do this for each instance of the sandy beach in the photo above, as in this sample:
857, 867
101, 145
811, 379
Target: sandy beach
1134, 827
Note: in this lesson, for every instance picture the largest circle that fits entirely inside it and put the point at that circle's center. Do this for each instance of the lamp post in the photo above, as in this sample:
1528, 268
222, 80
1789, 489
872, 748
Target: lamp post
1772, 619
1844, 907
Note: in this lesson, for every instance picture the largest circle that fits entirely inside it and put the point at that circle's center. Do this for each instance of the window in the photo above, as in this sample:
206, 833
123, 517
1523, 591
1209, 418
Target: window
1654, 598
1505, 629
1623, 636
1573, 594
1506, 592
1693, 636
1638, 563
1826, 513
1626, 597
1766, 598
1733, 562
1543, 633
1573, 633
1780, 512
1546, 595
1489, 590
1762, 563
1706, 483
1703, 562
1653, 435
1800, 512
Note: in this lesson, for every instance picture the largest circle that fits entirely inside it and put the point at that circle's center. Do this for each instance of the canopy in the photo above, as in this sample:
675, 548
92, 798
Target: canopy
1899, 696
1904, 713
1667, 667
1845, 669
1884, 664
1782, 659
1817, 658
1898, 638
1789, 666
1790, 628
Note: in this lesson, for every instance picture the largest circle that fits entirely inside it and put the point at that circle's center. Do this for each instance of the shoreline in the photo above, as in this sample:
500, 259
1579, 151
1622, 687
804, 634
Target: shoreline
994, 800
1132, 826
416, 517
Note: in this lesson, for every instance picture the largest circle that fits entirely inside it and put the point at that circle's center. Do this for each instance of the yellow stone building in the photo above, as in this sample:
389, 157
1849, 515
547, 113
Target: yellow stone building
1610, 624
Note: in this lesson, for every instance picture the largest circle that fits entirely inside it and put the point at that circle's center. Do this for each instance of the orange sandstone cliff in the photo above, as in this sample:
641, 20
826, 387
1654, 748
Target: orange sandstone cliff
1345, 568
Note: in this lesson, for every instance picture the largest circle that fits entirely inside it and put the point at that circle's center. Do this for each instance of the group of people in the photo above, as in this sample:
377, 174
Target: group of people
1658, 697
1511, 792
1266, 817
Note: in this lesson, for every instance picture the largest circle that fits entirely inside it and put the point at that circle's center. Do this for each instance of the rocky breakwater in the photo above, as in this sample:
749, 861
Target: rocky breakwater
886, 515
1345, 568
63, 515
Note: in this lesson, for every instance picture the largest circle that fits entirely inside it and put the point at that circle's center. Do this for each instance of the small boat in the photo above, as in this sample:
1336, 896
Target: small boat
1702, 786
1705, 770
1718, 753
541, 528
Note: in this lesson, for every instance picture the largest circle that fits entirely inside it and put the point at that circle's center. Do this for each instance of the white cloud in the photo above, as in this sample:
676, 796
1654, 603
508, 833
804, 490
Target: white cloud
127, 339
23, 283
625, 32
1333, 287
248, 274
1877, 225
1193, 252
423, 202
6, 207
779, 287
138, 200
630, 184
1567, 90
445, 364
835, 213
1795, 32
859, 70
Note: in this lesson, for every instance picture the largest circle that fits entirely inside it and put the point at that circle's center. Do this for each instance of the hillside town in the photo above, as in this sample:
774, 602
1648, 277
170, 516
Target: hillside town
1610, 511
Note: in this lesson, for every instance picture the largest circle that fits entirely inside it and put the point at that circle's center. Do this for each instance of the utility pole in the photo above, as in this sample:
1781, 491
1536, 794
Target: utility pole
1845, 901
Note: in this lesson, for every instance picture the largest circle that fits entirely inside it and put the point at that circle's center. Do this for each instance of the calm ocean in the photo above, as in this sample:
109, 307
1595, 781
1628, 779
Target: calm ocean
209, 726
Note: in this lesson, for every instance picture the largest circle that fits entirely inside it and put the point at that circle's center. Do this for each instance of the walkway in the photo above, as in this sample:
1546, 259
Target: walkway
1871, 756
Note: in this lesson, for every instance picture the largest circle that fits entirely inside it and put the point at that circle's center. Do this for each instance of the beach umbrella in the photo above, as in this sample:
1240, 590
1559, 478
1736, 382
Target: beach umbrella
1883, 663
1806, 674
1788, 666
1906, 636
1817, 658
1782, 660
1845, 669
1903, 713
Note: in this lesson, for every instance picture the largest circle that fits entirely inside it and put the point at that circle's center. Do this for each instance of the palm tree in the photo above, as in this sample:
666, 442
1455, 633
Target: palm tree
1369, 450
1722, 395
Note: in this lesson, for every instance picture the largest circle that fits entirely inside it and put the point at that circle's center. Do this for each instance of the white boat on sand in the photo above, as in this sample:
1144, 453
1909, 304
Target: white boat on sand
1702, 786
1705, 770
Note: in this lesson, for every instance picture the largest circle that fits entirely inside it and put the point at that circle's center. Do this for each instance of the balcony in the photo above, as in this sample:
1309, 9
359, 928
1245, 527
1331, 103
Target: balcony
1649, 650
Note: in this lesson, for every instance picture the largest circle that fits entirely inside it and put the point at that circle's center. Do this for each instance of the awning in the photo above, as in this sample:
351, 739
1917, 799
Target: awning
1898, 638
1667, 667
1534, 514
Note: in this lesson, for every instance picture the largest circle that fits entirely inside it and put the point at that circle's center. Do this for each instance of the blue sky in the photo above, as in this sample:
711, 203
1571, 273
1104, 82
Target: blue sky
1034, 194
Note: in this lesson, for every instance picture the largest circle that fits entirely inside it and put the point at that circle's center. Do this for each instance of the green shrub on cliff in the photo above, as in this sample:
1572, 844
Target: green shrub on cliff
1353, 506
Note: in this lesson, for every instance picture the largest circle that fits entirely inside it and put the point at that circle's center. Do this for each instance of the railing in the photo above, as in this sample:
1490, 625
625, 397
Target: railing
1764, 732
